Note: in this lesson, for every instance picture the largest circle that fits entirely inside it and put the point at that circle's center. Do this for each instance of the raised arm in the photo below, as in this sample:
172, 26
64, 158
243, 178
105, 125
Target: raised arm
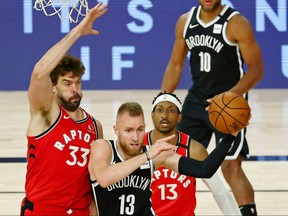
40, 92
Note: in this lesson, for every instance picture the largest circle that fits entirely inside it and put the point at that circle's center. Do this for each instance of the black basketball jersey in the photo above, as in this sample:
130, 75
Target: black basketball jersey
216, 63
130, 196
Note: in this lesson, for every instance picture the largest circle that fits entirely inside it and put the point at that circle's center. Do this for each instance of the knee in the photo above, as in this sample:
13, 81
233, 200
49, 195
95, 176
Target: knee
230, 169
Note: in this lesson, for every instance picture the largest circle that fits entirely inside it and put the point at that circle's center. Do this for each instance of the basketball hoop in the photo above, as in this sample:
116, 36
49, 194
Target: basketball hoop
65, 9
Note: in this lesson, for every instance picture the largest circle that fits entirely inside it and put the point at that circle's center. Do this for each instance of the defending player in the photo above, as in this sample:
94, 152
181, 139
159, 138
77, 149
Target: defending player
60, 132
173, 193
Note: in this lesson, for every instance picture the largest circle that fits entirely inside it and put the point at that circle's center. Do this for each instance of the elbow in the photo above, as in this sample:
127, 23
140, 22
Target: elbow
206, 175
36, 74
40, 71
208, 172
260, 73
209, 175
103, 182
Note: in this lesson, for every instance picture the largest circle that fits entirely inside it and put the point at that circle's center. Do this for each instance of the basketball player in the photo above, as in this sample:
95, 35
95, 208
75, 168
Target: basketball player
60, 132
173, 193
121, 170
220, 41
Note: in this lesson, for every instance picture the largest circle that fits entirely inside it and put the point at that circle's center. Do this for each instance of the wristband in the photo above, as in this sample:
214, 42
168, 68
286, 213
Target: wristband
147, 155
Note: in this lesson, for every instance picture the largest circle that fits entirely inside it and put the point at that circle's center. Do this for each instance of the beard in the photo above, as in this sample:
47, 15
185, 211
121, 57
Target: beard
130, 152
71, 104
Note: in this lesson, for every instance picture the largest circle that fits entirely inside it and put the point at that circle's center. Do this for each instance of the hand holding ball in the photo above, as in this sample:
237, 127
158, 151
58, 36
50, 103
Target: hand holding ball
229, 112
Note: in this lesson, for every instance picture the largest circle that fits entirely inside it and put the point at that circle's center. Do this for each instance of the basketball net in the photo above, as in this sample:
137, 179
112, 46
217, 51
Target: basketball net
70, 9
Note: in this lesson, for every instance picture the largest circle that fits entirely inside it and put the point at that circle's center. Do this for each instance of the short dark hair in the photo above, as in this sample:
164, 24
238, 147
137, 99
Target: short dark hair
67, 64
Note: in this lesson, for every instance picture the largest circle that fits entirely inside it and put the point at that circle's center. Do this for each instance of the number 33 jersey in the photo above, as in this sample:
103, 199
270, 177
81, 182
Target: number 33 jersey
57, 169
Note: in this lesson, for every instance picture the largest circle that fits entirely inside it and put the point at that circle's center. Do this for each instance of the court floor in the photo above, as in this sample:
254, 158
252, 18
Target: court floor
267, 134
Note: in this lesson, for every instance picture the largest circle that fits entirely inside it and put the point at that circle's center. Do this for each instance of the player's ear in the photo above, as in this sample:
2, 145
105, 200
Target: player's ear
179, 118
152, 114
116, 130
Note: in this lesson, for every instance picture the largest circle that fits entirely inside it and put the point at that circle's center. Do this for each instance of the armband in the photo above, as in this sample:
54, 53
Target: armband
147, 155
207, 167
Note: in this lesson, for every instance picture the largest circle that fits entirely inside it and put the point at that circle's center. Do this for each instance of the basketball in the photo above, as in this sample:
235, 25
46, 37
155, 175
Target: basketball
229, 112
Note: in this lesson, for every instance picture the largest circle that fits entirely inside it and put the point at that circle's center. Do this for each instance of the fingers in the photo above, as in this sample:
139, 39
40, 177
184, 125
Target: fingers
250, 116
165, 139
161, 145
209, 100
95, 32
99, 10
86, 26
172, 147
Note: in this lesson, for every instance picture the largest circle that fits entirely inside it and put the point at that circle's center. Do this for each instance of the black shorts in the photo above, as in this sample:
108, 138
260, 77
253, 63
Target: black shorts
195, 122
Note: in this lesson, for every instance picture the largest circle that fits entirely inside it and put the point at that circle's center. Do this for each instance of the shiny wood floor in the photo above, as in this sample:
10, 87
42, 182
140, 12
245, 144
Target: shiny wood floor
268, 129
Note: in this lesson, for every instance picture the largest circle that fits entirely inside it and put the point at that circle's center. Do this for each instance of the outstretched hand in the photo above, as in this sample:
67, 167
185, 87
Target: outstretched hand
161, 145
85, 27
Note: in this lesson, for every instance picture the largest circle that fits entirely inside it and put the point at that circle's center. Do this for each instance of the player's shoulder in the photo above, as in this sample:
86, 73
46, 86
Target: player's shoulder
238, 21
239, 27
183, 17
100, 142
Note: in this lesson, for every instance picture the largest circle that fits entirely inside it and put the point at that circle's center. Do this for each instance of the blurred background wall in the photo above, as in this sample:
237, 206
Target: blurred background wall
135, 43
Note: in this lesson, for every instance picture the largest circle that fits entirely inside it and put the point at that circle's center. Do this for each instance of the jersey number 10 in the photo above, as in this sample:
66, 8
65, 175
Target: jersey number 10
205, 61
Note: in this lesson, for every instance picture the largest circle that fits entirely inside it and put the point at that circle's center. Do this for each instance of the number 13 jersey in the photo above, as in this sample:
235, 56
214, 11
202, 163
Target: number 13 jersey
173, 193
129, 196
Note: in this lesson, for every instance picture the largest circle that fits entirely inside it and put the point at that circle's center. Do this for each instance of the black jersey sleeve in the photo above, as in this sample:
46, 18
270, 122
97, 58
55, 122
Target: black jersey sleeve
207, 167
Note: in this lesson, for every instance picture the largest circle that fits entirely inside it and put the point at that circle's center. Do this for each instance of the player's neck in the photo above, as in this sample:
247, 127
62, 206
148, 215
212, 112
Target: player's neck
207, 16
76, 115
155, 135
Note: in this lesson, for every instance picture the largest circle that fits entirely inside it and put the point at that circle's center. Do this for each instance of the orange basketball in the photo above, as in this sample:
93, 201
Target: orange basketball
229, 112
